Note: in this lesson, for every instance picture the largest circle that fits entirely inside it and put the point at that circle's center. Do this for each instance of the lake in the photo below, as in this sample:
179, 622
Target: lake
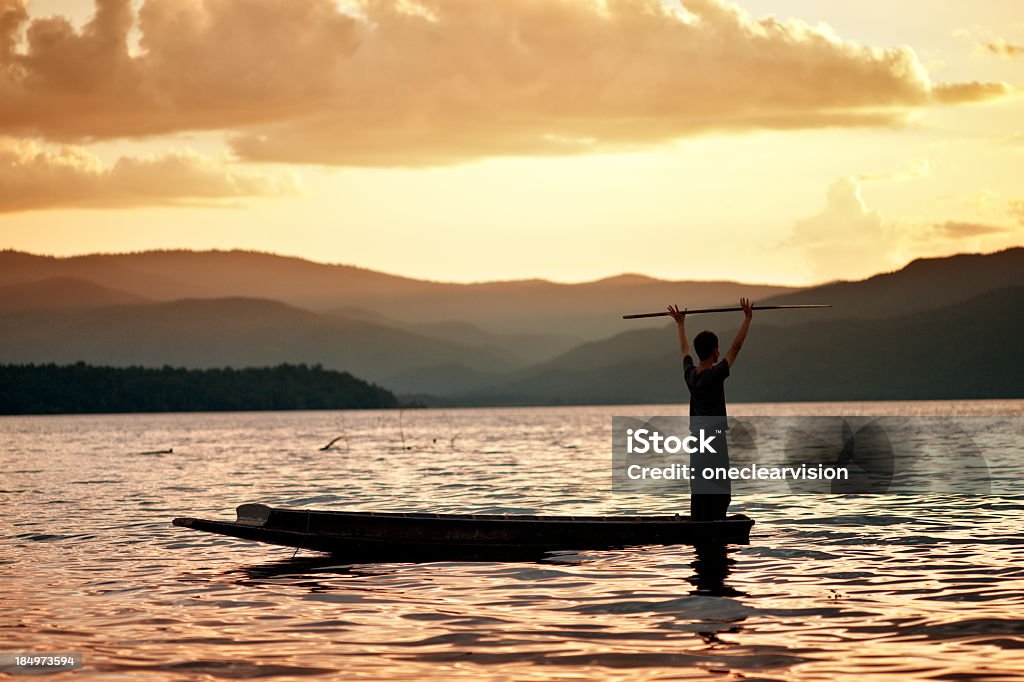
906, 585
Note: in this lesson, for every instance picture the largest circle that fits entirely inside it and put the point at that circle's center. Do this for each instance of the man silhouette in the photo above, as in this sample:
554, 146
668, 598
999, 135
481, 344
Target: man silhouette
709, 499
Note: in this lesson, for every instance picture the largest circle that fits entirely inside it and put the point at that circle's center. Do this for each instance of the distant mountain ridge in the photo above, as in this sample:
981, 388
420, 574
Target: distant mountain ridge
232, 332
577, 311
62, 293
969, 350
525, 342
921, 284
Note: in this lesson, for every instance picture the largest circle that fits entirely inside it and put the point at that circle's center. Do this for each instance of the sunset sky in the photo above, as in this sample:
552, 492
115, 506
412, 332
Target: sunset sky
788, 141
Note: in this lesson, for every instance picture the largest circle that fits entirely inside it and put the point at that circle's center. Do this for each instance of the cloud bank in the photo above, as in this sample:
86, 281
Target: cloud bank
434, 82
34, 177
848, 240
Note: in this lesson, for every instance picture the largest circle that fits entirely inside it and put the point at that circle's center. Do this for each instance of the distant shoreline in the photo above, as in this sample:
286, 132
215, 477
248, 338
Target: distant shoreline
51, 389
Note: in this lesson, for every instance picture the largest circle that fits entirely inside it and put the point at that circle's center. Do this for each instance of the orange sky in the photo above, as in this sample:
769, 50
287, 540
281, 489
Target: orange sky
788, 141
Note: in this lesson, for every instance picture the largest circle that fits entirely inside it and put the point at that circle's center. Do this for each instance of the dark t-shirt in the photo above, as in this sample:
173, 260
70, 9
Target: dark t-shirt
707, 388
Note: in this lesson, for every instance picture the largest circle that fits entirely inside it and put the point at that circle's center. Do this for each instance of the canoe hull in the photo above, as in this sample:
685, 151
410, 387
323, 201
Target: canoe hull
381, 536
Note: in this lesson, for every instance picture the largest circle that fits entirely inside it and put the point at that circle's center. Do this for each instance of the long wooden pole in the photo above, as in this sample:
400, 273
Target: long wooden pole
727, 310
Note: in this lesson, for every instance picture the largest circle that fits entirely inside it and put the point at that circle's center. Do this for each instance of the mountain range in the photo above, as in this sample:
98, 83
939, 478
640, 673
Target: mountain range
937, 328
570, 311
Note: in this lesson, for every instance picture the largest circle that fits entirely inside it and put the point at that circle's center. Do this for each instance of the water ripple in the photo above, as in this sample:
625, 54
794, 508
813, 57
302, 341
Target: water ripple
919, 587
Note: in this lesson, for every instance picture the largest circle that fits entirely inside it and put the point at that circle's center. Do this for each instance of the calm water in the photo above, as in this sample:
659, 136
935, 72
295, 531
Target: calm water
907, 586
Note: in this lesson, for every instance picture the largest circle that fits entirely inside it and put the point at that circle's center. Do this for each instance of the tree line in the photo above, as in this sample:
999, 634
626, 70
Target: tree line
82, 388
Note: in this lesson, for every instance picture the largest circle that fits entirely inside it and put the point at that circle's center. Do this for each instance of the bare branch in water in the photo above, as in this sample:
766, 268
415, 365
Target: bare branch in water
333, 441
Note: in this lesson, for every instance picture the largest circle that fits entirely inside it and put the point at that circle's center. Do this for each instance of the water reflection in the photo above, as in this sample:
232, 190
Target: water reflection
711, 566
291, 567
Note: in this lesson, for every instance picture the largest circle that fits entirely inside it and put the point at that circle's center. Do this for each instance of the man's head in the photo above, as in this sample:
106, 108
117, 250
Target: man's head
706, 345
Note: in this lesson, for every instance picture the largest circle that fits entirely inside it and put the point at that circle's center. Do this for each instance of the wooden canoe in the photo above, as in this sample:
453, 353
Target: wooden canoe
389, 536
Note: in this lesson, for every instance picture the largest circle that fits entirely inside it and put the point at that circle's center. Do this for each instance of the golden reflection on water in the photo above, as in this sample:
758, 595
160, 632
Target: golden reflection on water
830, 586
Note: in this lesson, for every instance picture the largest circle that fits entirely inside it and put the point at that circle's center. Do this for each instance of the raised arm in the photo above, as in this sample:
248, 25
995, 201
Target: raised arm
741, 335
680, 317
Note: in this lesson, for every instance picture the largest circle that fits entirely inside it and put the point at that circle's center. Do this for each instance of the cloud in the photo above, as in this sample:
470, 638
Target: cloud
955, 229
846, 239
986, 42
33, 177
1004, 48
398, 82
962, 93
202, 65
